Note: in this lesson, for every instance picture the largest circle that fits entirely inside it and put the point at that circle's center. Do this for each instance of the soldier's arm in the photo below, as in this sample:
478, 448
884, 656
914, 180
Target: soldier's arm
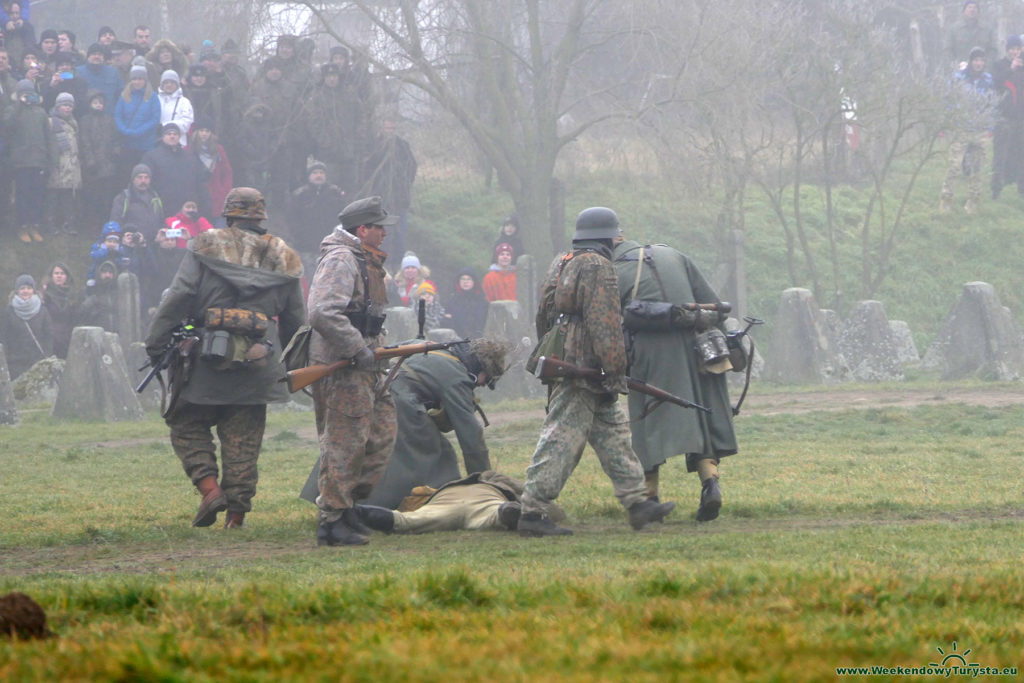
176, 306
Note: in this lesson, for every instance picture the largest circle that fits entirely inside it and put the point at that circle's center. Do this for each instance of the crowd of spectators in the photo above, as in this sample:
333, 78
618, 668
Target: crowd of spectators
138, 142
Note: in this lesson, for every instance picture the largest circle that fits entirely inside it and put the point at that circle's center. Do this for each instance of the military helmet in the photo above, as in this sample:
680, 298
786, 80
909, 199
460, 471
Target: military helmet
596, 223
245, 202
491, 355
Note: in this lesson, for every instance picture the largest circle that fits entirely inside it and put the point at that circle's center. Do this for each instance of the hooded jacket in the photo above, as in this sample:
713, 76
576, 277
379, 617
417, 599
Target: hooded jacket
468, 308
338, 290
234, 268
177, 108
179, 62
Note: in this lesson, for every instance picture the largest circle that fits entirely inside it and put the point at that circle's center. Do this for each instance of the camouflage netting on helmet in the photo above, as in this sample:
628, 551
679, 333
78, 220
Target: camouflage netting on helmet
491, 355
245, 202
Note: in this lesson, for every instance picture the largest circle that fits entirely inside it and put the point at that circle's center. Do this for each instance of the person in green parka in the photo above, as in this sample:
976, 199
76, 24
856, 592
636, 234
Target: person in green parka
668, 360
433, 394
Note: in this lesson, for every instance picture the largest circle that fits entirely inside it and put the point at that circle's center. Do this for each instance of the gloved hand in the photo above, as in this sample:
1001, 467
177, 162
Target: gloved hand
704, 320
364, 360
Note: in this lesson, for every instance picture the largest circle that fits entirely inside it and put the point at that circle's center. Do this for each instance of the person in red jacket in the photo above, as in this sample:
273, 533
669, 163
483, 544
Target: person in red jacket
189, 222
500, 282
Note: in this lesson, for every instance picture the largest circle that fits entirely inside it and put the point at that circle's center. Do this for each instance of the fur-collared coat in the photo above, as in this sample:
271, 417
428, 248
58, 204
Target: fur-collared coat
234, 268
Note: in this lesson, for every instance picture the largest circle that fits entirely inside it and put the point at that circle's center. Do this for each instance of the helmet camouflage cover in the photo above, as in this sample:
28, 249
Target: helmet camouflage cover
491, 355
245, 202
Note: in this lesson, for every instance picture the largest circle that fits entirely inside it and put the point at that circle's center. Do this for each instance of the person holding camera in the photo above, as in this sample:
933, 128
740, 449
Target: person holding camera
242, 288
186, 224
125, 248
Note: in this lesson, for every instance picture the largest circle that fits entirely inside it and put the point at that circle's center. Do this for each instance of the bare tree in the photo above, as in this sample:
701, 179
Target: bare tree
510, 72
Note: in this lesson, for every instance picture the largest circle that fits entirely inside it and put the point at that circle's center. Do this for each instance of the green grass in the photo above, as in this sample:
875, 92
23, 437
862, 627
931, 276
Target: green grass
855, 537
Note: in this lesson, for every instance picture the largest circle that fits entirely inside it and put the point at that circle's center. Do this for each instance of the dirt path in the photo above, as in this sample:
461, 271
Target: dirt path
85, 560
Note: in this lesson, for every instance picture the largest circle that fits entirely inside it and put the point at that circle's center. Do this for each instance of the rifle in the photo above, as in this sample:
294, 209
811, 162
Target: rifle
303, 377
176, 358
551, 368
721, 307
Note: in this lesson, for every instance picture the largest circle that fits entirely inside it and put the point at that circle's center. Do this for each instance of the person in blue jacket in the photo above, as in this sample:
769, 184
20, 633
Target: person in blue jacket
137, 116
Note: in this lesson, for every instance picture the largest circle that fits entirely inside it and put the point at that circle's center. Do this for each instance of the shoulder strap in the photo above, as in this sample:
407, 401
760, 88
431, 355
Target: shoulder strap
649, 256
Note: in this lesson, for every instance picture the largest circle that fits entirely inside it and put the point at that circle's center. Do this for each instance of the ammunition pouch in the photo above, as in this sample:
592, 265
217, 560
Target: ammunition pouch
237, 321
648, 316
552, 344
369, 325
227, 351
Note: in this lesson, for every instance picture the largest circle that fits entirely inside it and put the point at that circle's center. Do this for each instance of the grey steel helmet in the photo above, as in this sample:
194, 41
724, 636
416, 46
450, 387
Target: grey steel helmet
596, 223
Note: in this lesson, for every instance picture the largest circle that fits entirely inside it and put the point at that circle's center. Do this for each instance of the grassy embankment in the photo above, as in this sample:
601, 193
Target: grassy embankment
848, 538
455, 221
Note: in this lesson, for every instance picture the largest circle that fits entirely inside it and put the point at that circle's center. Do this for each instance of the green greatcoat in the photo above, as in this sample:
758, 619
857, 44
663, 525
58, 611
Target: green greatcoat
423, 455
668, 360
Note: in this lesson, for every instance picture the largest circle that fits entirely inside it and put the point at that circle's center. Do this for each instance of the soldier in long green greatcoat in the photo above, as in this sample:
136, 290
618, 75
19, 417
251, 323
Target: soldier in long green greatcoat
434, 393
668, 360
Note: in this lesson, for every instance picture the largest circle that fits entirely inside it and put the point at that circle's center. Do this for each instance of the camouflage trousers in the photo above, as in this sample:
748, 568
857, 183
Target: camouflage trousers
966, 153
454, 508
577, 417
357, 434
240, 432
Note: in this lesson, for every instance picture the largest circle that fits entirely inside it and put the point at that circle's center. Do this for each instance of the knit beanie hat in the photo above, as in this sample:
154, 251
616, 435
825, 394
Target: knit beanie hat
48, 34
24, 280
1013, 40
65, 98
425, 288
24, 86
410, 259
141, 168
138, 71
170, 75
502, 248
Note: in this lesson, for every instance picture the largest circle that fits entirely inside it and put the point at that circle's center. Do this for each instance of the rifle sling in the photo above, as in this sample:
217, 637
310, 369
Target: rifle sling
746, 382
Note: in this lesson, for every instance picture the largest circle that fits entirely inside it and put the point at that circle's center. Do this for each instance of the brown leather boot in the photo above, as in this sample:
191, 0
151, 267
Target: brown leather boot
234, 520
214, 501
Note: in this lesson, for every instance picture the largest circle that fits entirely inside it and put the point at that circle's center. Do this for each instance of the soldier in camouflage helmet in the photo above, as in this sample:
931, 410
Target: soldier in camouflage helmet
581, 293
434, 394
354, 419
242, 273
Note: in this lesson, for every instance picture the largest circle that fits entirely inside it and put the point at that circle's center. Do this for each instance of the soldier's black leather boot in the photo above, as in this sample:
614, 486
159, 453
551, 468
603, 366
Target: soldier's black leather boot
710, 500
374, 517
646, 511
339, 533
509, 514
536, 524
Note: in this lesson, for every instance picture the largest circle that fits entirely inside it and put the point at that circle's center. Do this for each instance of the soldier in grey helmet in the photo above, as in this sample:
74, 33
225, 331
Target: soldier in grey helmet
580, 293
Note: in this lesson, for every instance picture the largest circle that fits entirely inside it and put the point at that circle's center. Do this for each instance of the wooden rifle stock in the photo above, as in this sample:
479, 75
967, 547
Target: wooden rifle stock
721, 307
551, 368
303, 377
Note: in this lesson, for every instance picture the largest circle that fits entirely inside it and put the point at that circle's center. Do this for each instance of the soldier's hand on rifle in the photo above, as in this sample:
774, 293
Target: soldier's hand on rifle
364, 360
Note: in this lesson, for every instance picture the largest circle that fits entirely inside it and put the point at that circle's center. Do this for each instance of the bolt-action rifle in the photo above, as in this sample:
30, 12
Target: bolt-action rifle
176, 359
553, 368
303, 377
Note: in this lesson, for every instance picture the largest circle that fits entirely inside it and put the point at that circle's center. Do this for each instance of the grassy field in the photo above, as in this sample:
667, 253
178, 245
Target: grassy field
888, 536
